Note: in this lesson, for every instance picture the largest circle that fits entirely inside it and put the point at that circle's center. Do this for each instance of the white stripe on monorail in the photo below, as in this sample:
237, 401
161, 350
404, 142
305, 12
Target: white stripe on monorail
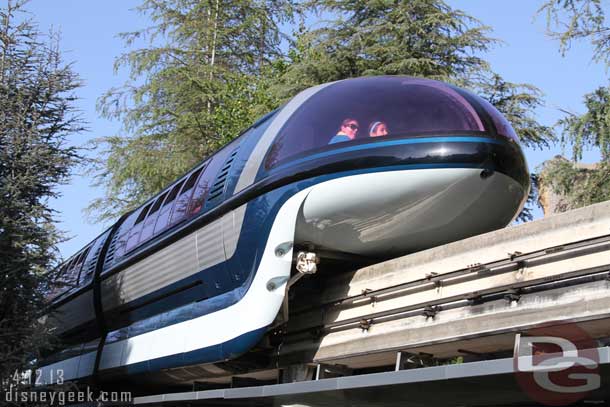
258, 154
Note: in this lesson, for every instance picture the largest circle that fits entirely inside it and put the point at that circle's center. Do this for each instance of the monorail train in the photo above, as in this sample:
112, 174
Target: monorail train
371, 167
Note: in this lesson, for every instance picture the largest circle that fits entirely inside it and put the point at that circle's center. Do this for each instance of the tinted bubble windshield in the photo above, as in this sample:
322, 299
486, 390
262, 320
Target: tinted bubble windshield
373, 107
502, 125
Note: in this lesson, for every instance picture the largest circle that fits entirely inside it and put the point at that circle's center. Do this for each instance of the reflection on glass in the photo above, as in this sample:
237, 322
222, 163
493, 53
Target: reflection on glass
503, 127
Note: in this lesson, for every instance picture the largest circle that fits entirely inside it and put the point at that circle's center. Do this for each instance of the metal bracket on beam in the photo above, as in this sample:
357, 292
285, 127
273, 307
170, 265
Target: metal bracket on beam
324, 371
475, 300
437, 283
401, 360
512, 296
513, 255
477, 268
516, 347
365, 324
431, 310
373, 298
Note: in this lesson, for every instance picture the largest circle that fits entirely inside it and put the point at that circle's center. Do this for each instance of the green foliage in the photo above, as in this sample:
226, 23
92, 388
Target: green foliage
570, 20
420, 38
193, 88
575, 185
458, 360
591, 129
36, 115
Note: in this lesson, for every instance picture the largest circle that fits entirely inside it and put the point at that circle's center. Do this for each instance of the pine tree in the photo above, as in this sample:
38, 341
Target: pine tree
192, 89
567, 21
420, 38
37, 112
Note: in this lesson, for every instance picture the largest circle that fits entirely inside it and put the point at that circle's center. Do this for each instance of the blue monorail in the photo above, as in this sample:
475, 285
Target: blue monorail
374, 167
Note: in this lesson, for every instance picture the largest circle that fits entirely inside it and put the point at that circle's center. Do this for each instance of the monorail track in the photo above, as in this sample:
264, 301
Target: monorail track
435, 282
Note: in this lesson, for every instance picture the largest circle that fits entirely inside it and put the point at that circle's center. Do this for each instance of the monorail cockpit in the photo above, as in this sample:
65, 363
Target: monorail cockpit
410, 107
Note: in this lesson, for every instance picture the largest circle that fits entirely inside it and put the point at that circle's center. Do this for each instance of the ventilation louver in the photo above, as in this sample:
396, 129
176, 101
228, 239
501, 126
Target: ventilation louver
216, 191
89, 268
111, 251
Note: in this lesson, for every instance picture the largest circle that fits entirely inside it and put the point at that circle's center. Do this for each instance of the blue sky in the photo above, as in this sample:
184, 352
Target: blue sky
89, 38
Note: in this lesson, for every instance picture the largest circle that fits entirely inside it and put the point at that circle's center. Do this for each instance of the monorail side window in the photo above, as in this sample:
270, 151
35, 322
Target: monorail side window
71, 278
134, 233
166, 209
182, 203
143, 214
91, 259
69, 273
151, 219
211, 184
57, 289
123, 234
200, 192
63, 281
81, 260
